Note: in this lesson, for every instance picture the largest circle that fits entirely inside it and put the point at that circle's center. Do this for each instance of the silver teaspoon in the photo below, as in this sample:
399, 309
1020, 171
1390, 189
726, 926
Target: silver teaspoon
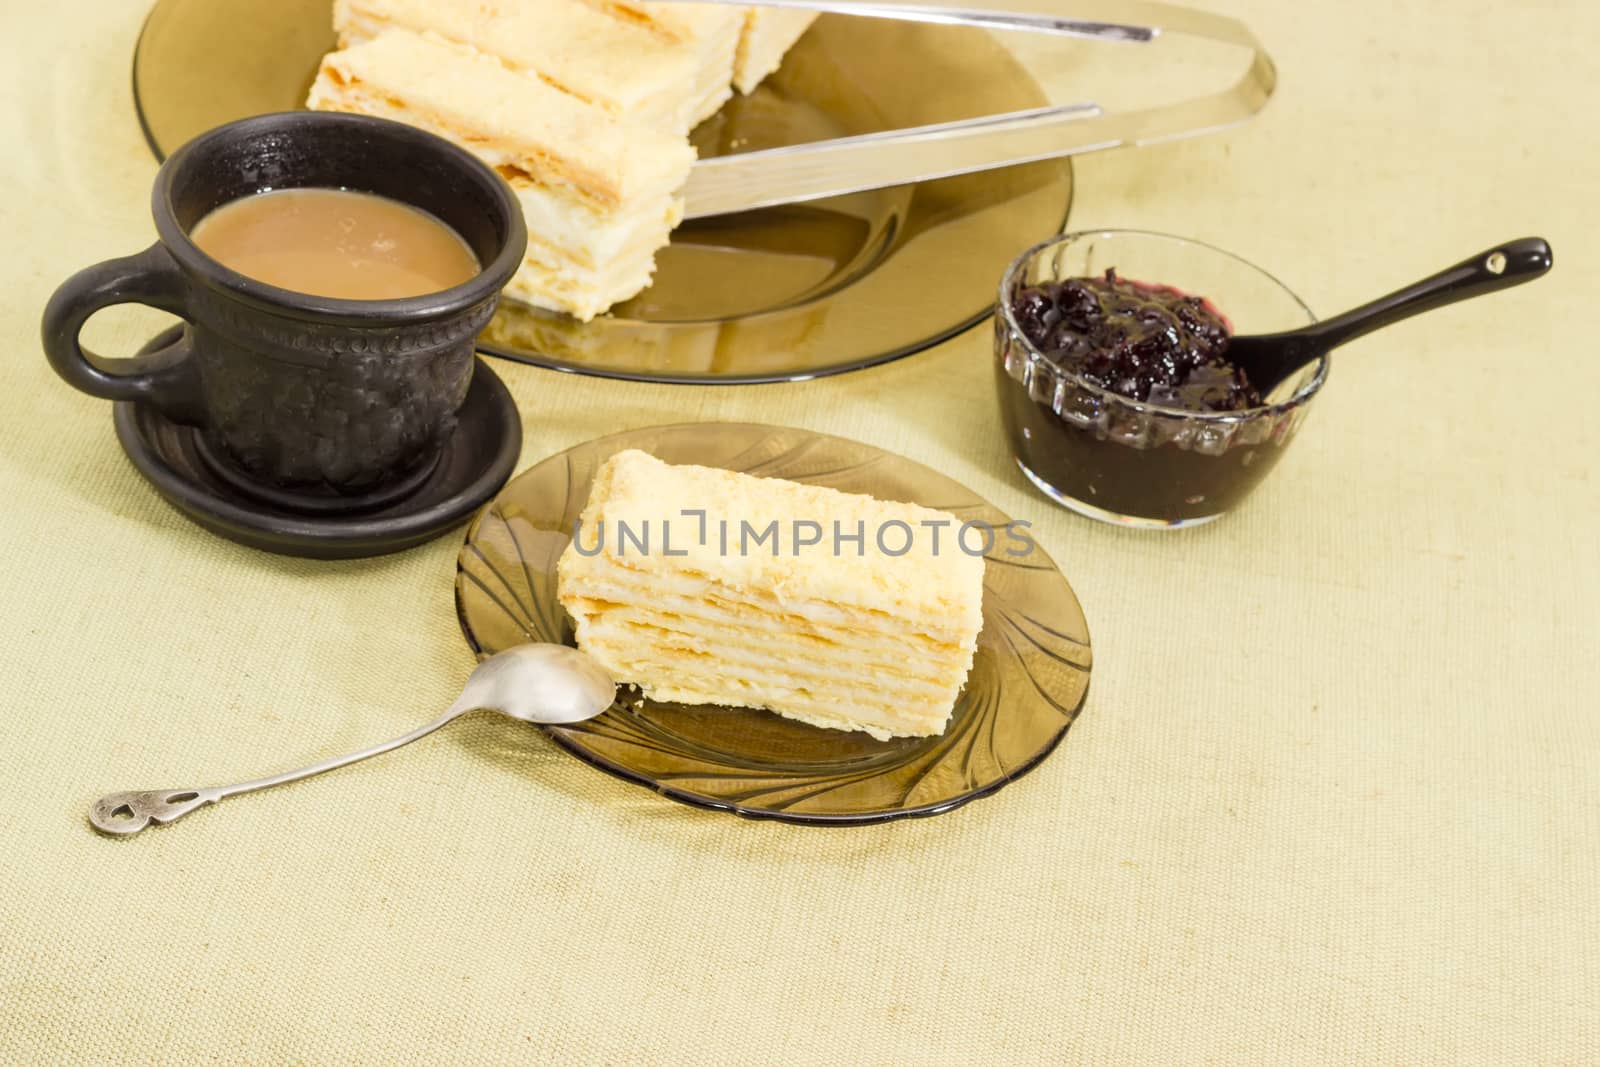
540, 683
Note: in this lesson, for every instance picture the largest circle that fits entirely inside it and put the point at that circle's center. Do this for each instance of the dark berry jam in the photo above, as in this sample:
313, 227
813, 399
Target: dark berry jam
1153, 345
1146, 342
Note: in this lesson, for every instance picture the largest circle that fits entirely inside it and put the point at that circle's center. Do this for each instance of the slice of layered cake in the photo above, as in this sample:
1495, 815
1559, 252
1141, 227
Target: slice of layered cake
617, 64
704, 586
599, 192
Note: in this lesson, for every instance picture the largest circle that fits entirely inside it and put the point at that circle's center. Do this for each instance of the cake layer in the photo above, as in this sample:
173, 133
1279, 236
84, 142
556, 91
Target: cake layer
620, 66
768, 33
646, 655
583, 106
710, 32
515, 121
584, 280
838, 708
559, 285
930, 577
710, 95
697, 598
687, 23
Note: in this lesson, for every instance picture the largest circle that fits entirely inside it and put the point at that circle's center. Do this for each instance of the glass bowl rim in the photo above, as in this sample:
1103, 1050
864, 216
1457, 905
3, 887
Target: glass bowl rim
1003, 309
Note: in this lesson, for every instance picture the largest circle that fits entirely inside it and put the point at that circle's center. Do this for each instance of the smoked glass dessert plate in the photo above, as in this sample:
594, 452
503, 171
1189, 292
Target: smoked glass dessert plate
1028, 681
781, 293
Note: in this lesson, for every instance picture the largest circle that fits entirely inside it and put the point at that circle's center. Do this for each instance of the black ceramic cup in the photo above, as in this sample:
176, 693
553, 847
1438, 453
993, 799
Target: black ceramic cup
307, 397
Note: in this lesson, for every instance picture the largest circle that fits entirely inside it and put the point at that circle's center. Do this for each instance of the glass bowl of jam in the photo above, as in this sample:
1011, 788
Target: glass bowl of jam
1114, 385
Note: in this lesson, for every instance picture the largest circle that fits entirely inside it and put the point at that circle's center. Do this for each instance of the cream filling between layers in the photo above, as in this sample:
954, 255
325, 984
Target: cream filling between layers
558, 288
520, 125
516, 167
678, 21
883, 679
711, 32
809, 621
708, 104
689, 592
644, 659
769, 33
872, 653
839, 705
593, 238
625, 69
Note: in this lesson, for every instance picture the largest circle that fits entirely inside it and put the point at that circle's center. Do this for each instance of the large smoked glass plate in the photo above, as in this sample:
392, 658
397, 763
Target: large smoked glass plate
1028, 680
784, 293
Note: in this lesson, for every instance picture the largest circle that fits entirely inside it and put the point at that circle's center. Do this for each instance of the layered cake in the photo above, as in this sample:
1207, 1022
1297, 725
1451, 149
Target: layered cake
619, 66
704, 586
584, 105
598, 191
710, 32
768, 33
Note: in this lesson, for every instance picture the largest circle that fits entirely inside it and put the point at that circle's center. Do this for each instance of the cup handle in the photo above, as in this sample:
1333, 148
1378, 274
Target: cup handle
165, 378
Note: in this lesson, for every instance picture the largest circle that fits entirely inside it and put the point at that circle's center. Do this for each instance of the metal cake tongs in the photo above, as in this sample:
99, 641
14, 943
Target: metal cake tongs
727, 184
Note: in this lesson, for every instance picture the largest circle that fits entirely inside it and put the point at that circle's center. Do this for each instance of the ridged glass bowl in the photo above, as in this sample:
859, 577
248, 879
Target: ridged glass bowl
1133, 463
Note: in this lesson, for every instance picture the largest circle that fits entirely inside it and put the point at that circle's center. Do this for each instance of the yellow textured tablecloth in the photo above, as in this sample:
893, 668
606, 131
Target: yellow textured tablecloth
1336, 795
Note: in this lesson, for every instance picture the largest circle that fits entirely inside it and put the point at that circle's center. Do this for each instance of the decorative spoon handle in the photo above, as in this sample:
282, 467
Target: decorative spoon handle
1501, 267
127, 813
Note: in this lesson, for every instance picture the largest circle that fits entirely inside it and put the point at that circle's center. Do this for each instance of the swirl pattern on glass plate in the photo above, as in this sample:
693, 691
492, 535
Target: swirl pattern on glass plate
1029, 678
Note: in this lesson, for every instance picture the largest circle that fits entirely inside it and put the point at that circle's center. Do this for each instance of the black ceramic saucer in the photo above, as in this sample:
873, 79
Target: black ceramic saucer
475, 463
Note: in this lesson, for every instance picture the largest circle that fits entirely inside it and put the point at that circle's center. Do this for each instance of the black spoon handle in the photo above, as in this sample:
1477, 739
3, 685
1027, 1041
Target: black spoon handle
1500, 267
